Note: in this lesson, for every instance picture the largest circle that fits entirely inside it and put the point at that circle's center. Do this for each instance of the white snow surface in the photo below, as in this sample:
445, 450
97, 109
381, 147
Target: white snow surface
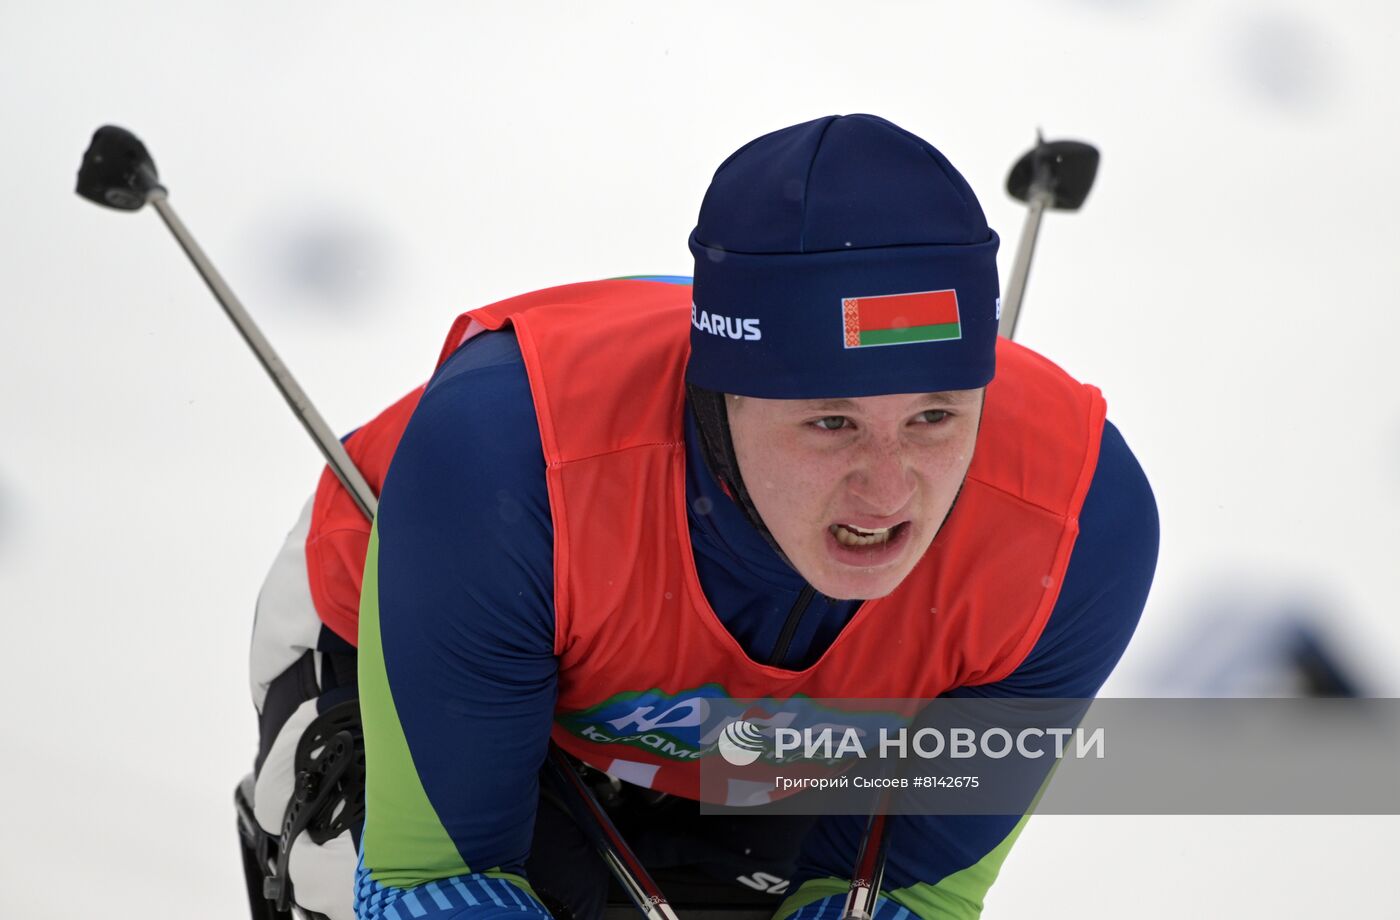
362, 172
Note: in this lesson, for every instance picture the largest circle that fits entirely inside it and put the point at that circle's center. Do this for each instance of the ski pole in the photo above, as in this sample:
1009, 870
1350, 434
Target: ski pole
869, 872
118, 173
625, 866
1055, 175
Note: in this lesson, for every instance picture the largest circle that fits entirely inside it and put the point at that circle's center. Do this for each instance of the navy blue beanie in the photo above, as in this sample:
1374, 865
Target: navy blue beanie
842, 257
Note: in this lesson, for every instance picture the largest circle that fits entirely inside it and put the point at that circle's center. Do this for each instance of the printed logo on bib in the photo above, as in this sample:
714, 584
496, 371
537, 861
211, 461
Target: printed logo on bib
704, 721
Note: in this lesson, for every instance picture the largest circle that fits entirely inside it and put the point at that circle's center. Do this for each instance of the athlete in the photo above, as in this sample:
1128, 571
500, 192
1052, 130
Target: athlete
812, 470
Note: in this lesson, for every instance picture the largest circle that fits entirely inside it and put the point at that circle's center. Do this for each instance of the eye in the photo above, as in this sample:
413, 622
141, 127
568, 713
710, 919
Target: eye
832, 422
933, 416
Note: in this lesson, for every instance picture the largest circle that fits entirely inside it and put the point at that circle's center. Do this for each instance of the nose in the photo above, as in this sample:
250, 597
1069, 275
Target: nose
884, 480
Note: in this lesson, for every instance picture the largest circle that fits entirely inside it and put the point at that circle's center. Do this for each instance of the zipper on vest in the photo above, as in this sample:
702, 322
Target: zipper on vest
790, 626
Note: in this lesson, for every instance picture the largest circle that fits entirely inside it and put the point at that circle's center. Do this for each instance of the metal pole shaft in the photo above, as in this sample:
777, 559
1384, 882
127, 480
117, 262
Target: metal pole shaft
625, 866
869, 872
330, 446
1021, 268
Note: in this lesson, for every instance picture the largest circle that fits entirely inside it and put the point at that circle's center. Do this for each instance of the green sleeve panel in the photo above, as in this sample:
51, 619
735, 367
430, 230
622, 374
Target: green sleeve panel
957, 896
404, 842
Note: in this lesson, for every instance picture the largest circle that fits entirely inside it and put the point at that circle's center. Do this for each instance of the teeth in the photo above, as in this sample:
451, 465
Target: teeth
854, 536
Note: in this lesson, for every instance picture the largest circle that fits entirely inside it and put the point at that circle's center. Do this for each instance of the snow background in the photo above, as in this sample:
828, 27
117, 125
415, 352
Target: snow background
361, 173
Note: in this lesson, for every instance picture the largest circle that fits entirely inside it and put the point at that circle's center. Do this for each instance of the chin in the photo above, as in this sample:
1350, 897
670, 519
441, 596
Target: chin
863, 585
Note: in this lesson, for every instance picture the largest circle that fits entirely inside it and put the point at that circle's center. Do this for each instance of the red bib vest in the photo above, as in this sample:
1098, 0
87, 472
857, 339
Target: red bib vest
606, 363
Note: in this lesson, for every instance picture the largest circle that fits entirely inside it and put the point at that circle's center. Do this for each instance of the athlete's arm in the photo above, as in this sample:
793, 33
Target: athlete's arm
457, 667
941, 866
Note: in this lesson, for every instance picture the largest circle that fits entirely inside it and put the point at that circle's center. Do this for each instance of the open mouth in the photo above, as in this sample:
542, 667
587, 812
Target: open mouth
851, 535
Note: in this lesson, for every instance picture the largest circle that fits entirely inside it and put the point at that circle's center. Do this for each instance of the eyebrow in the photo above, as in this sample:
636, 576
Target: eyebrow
845, 405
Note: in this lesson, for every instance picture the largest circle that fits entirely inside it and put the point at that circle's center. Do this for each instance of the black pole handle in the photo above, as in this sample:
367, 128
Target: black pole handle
117, 171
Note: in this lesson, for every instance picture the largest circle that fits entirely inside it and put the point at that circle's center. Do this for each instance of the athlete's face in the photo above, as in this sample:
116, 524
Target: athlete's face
853, 490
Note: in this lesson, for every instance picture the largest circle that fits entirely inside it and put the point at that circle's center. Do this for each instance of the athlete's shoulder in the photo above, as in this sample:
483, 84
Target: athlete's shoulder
1105, 586
1119, 527
476, 416
1040, 432
605, 361
467, 484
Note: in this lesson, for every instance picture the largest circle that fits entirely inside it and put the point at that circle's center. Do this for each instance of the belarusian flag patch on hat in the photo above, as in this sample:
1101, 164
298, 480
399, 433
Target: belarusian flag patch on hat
901, 319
